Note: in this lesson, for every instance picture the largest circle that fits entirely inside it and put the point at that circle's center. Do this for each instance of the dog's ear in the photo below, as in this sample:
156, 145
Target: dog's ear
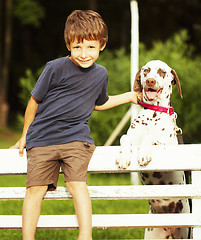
176, 81
137, 87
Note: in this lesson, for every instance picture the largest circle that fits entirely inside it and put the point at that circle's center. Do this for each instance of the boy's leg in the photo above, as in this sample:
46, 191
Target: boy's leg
31, 210
83, 208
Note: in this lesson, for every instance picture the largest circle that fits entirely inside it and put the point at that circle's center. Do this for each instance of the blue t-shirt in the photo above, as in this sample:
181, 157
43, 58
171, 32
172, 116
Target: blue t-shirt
67, 95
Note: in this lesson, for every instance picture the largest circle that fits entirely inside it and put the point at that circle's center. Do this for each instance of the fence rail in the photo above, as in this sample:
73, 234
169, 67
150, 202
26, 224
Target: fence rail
165, 158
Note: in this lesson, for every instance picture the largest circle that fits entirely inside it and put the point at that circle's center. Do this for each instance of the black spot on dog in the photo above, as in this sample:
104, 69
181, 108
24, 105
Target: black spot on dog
161, 182
146, 175
163, 129
170, 183
165, 209
170, 135
179, 207
157, 175
154, 115
171, 207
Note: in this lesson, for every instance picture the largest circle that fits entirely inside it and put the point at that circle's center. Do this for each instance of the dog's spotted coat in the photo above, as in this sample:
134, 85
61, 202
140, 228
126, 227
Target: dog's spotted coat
155, 81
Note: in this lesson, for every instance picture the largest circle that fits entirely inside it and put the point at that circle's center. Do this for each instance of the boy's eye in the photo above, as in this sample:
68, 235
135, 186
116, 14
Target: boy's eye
76, 47
91, 47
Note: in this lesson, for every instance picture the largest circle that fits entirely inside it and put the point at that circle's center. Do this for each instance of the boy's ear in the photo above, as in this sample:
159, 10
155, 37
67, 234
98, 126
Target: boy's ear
68, 47
102, 48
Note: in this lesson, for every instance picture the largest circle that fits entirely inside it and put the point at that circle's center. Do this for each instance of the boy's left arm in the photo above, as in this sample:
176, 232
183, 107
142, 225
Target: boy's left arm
120, 99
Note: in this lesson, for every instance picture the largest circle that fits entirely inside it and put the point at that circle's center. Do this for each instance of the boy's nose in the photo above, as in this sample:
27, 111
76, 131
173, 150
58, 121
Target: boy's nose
83, 53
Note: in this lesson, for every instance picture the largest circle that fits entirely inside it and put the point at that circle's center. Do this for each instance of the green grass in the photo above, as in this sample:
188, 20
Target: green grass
66, 206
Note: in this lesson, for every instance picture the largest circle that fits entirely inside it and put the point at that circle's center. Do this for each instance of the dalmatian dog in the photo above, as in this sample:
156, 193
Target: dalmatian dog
154, 125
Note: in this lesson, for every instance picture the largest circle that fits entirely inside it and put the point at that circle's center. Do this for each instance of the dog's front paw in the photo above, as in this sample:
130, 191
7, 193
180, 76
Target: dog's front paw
144, 157
123, 160
144, 161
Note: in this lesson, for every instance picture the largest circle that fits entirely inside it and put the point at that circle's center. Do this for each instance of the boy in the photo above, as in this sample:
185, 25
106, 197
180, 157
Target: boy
56, 131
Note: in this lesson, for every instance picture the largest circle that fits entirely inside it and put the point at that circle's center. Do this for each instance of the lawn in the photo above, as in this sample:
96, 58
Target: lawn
7, 138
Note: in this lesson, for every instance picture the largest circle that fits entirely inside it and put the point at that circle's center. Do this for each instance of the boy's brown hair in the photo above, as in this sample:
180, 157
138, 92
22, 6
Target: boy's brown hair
85, 24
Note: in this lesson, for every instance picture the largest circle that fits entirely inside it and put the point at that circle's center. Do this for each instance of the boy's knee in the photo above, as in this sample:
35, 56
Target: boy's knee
36, 191
76, 187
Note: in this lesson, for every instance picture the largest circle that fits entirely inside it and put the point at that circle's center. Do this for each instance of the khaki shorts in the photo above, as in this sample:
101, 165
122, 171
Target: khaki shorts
43, 163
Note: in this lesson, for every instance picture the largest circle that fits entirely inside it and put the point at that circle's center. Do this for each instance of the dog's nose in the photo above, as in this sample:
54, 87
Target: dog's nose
150, 82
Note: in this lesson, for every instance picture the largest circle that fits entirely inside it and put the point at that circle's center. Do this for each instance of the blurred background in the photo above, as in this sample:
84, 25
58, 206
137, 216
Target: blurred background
31, 33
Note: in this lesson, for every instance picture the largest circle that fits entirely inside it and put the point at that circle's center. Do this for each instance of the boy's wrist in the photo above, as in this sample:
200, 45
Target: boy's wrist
133, 97
136, 96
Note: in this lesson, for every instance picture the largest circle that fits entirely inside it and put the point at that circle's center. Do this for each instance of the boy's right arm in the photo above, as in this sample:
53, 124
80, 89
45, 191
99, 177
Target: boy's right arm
28, 119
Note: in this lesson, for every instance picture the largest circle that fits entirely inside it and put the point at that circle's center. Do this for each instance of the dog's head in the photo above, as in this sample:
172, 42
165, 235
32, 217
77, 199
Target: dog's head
155, 81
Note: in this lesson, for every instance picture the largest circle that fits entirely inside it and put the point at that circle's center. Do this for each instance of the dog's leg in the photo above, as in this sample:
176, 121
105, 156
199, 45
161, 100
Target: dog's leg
166, 233
145, 151
166, 205
124, 157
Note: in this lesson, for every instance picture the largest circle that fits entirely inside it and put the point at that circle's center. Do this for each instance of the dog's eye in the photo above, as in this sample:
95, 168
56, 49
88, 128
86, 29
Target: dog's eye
146, 71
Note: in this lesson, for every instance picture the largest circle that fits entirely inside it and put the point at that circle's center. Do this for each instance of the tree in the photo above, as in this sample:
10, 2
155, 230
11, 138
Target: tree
29, 12
5, 50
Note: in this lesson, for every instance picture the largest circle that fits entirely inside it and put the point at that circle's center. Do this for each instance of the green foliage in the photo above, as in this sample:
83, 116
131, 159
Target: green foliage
30, 12
103, 123
27, 84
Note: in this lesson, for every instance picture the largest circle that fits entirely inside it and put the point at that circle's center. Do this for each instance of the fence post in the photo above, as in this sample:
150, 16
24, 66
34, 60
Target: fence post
196, 206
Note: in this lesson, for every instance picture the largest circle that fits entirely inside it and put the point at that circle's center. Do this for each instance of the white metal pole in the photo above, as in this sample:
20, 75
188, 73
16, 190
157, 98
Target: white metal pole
134, 48
134, 39
134, 62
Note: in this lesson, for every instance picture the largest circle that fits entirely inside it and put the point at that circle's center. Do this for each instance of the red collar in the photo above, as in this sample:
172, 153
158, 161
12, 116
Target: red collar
157, 108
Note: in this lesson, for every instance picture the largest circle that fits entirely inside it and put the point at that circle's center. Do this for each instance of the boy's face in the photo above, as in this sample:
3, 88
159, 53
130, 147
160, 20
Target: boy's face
85, 53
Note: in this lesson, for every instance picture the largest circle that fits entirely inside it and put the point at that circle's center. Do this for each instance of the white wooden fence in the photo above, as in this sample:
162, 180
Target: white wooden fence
165, 158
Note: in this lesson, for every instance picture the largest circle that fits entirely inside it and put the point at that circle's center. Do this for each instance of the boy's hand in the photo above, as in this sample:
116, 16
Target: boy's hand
135, 96
20, 145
